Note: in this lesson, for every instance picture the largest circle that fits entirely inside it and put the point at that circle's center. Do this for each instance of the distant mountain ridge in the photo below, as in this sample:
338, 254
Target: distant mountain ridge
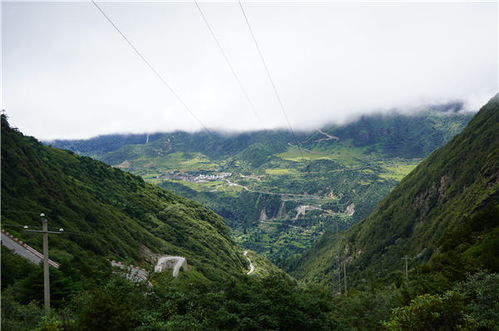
446, 209
390, 129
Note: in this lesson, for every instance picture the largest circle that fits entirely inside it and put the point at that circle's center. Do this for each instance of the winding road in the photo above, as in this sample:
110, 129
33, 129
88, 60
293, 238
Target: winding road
298, 195
252, 267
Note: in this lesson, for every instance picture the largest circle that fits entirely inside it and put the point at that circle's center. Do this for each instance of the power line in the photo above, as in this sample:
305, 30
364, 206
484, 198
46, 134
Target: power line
77, 233
406, 258
20, 212
165, 83
278, 97
229, 64
13, 225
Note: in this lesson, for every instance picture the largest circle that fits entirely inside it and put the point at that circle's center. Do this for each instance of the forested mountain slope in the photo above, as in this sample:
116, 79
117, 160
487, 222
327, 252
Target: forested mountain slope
445, 212
279, 198
111, 214
106, 212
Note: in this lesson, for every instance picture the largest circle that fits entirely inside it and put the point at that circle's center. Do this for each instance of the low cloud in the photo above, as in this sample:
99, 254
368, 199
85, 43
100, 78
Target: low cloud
68, 74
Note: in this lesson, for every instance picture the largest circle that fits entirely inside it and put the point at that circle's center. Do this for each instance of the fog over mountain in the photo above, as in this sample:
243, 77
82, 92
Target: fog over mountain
67, 73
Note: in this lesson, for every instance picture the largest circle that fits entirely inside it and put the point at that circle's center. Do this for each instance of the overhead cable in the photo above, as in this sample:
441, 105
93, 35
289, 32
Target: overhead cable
267, 70
229, 64
150, 66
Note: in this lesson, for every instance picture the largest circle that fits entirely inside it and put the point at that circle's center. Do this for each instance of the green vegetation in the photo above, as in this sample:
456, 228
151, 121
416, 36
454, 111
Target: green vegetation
448, 204
209, 186
263, 267
354, 165
281, 171
189, 302
192, 302
343, 153
398, 170
443, 215
106, 212
172, 161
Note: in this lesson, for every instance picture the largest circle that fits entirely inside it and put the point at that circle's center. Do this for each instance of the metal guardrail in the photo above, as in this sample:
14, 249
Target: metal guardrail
24, 250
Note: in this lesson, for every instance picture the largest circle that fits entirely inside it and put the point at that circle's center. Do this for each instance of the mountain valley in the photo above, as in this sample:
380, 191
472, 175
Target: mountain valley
278, 197
440, 220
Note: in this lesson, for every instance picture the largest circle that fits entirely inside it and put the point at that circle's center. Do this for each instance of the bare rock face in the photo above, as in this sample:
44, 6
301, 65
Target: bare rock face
350, 210
331, 195
301, 210
445, 182
263, 215
435, 193
280, 213
123, 165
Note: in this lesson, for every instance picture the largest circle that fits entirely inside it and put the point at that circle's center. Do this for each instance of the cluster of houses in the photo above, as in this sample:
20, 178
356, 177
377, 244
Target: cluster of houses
175, 175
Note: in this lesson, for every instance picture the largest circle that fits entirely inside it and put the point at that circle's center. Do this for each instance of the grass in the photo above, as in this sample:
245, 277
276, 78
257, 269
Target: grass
155, 181
210, 186
397, 169
198, 162
177, 161
275, 237
348, 156
281, 171
151, 176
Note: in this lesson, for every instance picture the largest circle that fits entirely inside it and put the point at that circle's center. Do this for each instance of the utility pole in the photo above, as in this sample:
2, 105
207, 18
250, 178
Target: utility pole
339, 274
46, 278
339, 266
345, 276
406, 258
339, 262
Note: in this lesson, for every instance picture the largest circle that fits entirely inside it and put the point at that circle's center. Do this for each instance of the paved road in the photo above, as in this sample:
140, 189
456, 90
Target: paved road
252, 267
22, 249
298, 195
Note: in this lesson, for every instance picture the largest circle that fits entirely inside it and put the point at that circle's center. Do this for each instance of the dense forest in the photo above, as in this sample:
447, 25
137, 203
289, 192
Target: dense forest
448, 203
106, 212
447, 207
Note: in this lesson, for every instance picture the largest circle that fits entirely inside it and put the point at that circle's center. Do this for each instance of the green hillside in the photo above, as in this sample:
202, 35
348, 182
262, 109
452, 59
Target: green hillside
443, 216
278, 199
106, 212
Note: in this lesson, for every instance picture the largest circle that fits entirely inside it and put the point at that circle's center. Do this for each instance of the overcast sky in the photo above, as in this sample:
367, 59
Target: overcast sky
67, 73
